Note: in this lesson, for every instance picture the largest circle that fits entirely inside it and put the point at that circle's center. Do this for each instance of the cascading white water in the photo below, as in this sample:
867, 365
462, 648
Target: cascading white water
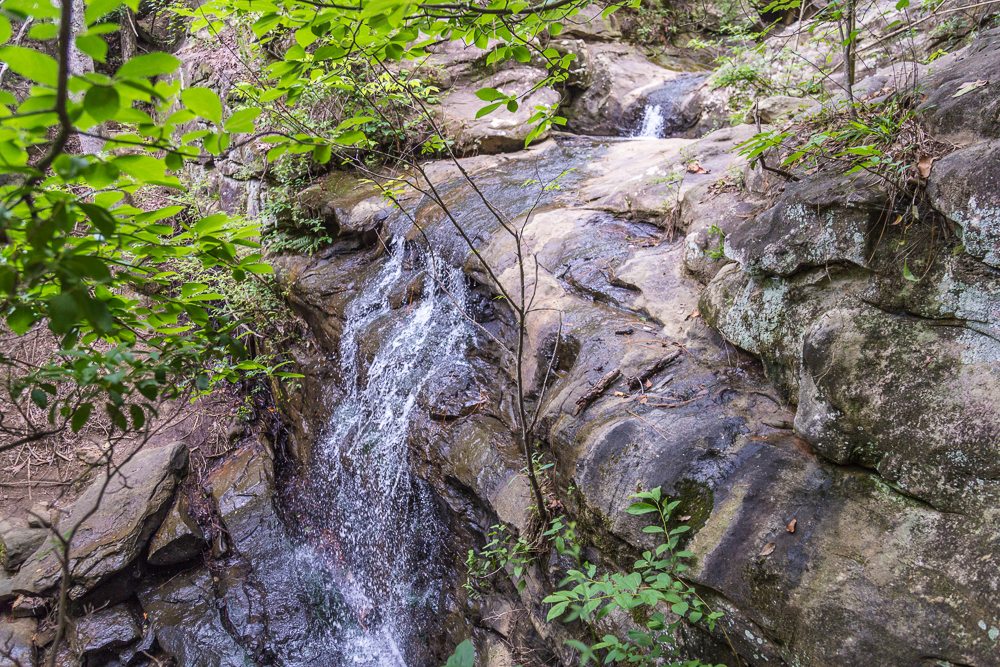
652, 123
373, 522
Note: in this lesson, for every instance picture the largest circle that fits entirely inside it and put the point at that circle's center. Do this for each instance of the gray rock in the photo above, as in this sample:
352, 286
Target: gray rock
42, 515
110, 537
779, 109
348, 205
819, 221
914, 400
973, 115
17, 647
965, 187
185, 617
617, 81
179, 538
501, 131
105, 630
18, 543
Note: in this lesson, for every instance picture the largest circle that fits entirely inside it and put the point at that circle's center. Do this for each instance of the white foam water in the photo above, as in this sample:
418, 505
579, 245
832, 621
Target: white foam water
652, 123
374, 523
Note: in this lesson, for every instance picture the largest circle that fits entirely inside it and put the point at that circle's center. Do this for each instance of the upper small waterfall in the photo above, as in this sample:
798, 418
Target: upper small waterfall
652, 123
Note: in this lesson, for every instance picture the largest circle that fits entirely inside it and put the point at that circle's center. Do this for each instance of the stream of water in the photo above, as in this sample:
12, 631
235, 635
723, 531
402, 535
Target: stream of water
373, 525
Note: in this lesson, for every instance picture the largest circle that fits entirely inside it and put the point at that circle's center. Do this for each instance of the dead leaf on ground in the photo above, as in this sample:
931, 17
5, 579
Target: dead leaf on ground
768, 549
620, 394
970, 86
649, 383
791, 525
686, 517
924, 165
696, 168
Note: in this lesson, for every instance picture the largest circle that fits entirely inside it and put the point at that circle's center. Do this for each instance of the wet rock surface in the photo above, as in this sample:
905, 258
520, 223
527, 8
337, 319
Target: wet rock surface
179, 538
129, 508
828, 422
865, 411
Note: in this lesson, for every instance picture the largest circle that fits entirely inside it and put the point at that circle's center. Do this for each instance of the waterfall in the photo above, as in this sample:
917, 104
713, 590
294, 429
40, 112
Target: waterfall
372, 522
652, 123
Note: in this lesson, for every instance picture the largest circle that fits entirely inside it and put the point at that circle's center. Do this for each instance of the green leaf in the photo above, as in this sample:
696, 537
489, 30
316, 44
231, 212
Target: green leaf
43, 31
211, 223
908, 275
488, 109
93, 46
20, 320
138, 416
322, 153
31, 64
204, 102
101, 102
39, 398
490, 94
464, 655
5, 29
148, 65
80, 416
521, 54
97, 9
242, 121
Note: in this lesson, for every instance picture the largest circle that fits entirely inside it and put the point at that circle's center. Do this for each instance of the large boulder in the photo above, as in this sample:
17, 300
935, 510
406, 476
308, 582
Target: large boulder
115, 516
17, 641
617, 81
963, 102
349, 206
910, 398
103, 633
824, 220
965, 187
503, 130
188, 623
18, 541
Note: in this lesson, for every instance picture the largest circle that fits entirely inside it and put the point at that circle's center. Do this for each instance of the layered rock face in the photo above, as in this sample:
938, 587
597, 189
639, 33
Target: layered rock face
816, 385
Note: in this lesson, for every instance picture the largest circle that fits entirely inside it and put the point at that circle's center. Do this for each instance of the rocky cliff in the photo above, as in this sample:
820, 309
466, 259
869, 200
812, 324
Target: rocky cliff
810, 365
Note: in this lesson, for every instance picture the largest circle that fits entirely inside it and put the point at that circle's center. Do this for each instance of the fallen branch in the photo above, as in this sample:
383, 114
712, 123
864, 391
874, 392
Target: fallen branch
595, 392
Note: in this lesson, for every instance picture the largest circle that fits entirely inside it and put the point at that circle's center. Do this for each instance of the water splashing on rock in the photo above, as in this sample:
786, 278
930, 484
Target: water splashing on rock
371, 522
652, 123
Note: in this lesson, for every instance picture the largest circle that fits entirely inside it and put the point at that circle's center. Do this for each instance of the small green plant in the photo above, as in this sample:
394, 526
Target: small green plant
717, 250
646, 593
883, 139
503, 552
464, 656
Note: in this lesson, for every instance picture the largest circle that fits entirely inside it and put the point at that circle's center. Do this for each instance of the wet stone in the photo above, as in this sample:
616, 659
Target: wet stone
18, 542
105, 630
179, 538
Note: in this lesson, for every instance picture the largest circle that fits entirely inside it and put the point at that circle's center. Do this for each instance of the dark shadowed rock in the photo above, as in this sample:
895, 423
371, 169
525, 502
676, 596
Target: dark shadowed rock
116, 518
179, 538
187, 622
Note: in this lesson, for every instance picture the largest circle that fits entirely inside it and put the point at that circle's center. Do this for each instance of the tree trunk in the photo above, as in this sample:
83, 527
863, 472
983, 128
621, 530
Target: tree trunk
80, 63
